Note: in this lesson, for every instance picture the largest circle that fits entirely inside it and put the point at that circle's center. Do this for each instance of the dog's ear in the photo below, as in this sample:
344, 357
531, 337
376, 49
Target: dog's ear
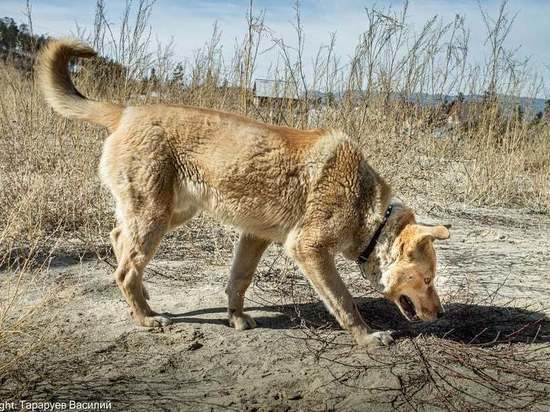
439, 232
416, 235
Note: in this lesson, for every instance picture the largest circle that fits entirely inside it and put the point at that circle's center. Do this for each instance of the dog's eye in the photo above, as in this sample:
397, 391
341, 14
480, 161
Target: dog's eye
427, 281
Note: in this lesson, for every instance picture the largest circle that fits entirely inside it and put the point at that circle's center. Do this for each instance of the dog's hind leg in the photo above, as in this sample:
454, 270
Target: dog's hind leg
143, 224
176, 220
248, 252
140, 241
116, 242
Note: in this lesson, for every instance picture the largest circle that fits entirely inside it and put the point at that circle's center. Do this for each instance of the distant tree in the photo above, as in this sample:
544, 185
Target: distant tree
460, 97
153, 78
24, 38
9, 32
518, 113
546, 113
178, 75
536, 120
17, 39
330, 98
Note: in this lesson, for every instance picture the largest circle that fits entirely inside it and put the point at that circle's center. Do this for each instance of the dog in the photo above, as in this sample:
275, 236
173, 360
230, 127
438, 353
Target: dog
310, 190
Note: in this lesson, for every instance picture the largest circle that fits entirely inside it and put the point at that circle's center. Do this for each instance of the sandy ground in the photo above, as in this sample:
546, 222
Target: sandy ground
490, 351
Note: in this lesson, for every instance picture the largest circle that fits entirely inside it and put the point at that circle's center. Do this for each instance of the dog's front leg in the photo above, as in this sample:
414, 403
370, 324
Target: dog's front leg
318, 266
248, 252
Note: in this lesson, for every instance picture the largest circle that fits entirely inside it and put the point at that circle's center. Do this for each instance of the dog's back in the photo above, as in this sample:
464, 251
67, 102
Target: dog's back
245, 173
218, 161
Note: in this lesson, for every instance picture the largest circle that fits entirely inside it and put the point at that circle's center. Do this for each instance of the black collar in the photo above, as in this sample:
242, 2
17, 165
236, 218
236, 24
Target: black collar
364, 256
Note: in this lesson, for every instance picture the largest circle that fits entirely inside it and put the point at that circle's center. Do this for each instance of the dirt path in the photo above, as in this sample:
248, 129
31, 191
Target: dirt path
490, 351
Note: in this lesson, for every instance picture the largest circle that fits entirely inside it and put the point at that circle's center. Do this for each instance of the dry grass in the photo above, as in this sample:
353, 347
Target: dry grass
24, 295
48, 164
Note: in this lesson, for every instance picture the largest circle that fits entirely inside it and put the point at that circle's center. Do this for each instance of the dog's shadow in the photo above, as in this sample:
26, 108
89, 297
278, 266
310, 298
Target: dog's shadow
466, 323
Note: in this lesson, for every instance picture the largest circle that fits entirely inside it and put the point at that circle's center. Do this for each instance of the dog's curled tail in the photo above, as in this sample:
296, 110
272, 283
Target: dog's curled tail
59, 91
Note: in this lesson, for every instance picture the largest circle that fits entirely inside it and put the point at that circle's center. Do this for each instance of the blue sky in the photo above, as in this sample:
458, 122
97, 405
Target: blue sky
189, 23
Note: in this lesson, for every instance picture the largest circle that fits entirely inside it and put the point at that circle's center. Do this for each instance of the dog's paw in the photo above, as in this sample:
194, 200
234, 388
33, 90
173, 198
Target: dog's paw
156, 321
376, 339
242, 321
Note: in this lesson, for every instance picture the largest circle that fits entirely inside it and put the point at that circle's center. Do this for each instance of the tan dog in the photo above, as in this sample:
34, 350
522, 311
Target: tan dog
312, 191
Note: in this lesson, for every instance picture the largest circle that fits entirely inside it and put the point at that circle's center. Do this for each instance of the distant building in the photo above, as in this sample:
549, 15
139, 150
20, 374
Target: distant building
274, 93
276, 100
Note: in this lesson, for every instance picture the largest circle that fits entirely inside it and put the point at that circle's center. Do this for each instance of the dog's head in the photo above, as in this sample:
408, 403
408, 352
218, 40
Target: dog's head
410, 281
403, 267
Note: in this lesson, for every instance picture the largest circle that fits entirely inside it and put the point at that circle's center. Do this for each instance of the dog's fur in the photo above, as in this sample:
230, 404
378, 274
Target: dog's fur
312, 191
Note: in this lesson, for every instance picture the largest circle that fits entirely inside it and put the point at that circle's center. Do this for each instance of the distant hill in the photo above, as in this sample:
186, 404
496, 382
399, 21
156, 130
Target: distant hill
530, 105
